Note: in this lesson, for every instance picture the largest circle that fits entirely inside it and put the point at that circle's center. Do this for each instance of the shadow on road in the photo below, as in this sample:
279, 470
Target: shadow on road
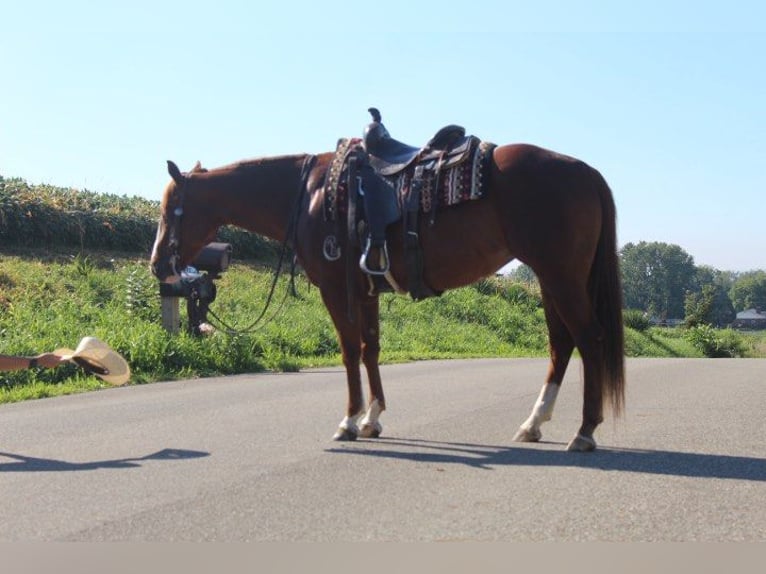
658, 462
31, 464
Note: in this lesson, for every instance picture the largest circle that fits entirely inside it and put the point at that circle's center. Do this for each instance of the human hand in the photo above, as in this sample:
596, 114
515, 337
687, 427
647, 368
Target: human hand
48, 360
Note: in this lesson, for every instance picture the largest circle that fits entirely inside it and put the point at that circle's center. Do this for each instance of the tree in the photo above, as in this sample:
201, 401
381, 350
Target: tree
709, 303
709, 306
656, 277
749, 291
697, 306
523, 274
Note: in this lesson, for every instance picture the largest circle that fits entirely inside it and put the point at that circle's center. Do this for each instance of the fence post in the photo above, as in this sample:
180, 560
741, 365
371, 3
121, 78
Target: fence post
171, 315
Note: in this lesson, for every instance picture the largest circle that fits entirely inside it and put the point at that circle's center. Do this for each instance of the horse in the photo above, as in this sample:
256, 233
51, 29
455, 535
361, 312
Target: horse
550, 211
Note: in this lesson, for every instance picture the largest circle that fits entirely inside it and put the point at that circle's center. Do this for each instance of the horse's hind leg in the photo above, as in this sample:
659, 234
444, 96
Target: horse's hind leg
370, 426
574, 308
561, 346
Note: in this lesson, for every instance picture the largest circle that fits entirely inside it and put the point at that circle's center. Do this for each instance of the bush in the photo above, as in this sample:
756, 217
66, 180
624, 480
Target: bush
635, 319
716, 344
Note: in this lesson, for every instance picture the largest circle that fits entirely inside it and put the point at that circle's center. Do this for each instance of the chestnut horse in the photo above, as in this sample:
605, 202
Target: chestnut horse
552, 212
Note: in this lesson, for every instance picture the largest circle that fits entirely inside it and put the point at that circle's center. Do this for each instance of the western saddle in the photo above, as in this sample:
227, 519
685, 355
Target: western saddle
382, 162
389, 156
390, 181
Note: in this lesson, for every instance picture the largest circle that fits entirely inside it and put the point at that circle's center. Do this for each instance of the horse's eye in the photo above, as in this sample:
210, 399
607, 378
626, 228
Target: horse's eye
179, 211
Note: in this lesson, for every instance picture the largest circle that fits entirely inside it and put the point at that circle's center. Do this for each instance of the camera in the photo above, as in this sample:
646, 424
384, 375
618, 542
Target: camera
196, 283
214, 258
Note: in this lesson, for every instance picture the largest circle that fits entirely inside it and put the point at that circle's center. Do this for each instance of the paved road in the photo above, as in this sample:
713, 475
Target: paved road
250, 458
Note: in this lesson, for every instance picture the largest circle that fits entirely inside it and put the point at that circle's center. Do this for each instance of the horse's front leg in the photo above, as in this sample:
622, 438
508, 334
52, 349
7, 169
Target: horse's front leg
370, 424
350, 340
351, 350
348, 429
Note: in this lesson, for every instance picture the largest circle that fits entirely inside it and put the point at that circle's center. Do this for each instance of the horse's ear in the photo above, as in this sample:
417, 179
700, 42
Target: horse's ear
197, 168
174, 172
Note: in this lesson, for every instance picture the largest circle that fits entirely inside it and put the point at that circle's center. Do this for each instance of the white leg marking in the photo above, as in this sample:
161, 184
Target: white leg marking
347, 429
541, 412
371, 428
373, 413
349, 423
543, 409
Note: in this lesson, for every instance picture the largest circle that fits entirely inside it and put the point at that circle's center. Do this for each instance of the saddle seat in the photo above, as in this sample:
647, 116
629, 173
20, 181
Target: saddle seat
389, 156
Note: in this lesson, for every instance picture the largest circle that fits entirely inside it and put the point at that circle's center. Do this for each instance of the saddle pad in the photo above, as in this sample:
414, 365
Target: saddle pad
465, 181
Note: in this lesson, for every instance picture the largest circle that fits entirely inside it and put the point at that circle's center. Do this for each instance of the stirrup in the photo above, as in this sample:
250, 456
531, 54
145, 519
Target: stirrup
384, 259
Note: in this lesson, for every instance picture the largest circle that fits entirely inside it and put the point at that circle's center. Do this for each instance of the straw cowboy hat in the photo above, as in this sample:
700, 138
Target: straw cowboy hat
95, 357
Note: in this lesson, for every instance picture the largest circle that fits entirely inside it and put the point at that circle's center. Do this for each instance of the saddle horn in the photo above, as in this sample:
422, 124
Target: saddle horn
375, 114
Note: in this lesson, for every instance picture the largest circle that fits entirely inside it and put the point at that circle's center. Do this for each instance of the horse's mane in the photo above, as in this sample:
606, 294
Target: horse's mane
258, 162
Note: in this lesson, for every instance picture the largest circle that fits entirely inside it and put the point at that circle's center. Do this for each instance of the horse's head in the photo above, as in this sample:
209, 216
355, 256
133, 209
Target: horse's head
184, 227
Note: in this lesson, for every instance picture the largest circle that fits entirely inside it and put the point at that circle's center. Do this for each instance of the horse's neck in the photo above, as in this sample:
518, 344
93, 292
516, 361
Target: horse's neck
258, 195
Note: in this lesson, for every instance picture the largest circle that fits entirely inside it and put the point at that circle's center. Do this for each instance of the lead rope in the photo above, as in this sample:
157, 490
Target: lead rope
290, 237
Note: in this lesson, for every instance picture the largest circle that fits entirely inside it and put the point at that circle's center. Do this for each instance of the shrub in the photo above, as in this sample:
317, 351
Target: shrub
716, 344
635, 319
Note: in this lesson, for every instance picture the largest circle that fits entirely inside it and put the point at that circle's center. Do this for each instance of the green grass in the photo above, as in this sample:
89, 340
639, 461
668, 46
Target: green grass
51, 299
658, 342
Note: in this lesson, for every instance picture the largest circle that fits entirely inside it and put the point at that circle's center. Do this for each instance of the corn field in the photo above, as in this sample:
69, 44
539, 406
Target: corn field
48, 216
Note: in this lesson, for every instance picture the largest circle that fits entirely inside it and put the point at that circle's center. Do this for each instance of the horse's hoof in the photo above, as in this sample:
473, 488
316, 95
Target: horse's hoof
528, 435
345, 435
371, 430
582, 443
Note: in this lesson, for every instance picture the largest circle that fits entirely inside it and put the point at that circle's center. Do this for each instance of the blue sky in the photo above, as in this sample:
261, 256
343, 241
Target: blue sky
665, 98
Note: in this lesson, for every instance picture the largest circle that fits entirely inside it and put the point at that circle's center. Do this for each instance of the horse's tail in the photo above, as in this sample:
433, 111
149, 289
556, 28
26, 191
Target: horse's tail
606, 295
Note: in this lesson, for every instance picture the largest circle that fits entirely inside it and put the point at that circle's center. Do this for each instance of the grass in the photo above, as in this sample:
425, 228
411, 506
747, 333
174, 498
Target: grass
659, 342
51, 299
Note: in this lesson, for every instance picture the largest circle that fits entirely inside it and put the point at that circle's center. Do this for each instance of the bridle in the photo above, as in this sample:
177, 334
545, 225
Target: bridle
174, 229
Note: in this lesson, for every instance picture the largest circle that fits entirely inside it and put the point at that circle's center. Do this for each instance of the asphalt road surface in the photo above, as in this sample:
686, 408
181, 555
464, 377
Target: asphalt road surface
250, 457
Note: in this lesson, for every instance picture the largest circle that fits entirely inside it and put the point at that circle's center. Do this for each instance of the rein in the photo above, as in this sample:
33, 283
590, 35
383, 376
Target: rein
290, 238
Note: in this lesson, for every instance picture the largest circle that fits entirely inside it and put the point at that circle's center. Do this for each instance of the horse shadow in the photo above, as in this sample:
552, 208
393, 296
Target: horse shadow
487, 457
23, 463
